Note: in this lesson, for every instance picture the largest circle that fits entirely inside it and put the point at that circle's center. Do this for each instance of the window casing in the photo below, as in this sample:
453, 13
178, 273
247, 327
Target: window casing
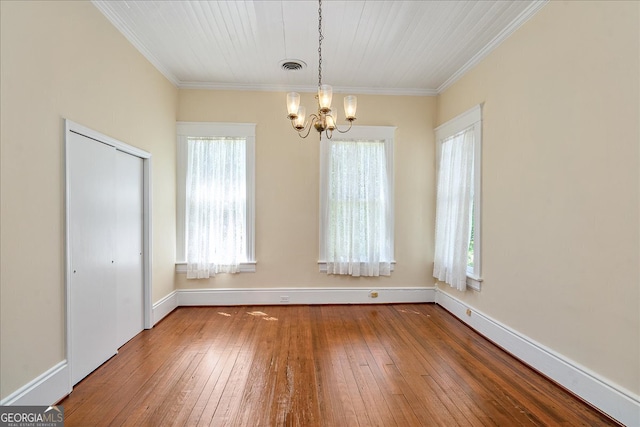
379, 138
202, 131
469, 119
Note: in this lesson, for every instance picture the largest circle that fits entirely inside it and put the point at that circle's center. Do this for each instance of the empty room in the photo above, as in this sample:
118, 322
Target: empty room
183, 240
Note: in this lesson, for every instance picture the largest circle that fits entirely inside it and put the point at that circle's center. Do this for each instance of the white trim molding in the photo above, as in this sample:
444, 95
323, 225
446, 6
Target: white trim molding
474, 283
73, 127
620, 404
471, 118
287, 296
46, 389
104, 7
184, 130
165, 306
526, 14
613, 400
129, 34
384, 135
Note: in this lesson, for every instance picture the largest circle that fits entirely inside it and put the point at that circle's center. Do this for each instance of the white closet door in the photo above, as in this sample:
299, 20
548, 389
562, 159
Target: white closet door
92, 294
128, 239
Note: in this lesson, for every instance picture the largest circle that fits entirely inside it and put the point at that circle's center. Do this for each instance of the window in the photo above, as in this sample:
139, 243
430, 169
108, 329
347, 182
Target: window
215, 198
457, 248
356, 202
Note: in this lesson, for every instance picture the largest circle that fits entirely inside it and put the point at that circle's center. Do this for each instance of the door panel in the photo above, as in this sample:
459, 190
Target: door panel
128, 245
92, 292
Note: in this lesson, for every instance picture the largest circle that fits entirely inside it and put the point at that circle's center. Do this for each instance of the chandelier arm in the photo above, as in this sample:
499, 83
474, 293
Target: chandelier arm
348, 129
309, 122
293, 126
319, 121
302, 130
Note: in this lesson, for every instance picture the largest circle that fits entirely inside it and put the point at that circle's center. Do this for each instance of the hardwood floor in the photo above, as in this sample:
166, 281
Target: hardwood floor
347, 365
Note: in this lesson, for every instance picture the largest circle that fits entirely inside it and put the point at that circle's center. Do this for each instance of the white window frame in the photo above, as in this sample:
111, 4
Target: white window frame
471, 117
378, 133
213, 129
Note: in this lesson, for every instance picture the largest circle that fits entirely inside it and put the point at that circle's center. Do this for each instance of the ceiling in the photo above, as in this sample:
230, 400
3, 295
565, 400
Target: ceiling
373, 46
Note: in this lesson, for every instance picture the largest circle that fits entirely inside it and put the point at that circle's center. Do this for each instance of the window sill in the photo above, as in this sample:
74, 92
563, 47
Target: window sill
323, 266
245, 267
474, 283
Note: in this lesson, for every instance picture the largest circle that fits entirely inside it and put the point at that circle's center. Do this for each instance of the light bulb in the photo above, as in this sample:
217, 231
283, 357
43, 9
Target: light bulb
298, 121
324, 97
293, 102
331, 123
350, 105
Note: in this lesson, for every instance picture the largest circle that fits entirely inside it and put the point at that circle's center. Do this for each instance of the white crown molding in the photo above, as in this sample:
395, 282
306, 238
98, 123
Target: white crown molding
526, 14
103, 6
610, 398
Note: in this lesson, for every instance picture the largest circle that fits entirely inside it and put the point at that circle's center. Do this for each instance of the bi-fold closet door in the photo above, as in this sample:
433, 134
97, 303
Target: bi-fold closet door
105, 190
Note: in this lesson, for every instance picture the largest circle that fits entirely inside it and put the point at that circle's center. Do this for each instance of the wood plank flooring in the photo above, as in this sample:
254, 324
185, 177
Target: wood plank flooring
342, 365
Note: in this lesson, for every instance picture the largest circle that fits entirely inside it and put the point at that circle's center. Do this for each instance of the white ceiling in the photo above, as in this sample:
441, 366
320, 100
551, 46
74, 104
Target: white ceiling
386, 47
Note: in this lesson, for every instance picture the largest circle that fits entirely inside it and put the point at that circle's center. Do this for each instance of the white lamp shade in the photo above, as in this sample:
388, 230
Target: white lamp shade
293, 102
350, 105
298, 122
325, 92
331, 123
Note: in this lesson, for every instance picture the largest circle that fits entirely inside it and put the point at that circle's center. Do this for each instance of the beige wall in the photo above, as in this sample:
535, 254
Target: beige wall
561, 184
65, 60
287, 187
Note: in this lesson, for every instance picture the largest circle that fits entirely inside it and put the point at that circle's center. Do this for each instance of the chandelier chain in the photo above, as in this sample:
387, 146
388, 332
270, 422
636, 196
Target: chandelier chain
323, 121
320, 38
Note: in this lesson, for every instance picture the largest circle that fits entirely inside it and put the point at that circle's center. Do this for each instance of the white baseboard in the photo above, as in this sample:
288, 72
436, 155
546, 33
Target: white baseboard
47, 389
285, 296
611, 399
620, 404
163, 307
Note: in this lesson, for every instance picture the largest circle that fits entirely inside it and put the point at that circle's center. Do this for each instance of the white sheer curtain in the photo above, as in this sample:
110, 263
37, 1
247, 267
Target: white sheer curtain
357, 236
453, 209
216, 206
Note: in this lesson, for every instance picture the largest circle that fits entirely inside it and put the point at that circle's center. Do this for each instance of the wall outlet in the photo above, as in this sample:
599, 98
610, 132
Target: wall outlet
284, 298
373, 294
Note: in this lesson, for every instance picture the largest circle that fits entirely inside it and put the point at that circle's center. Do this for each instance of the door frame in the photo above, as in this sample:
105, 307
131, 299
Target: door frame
72, 127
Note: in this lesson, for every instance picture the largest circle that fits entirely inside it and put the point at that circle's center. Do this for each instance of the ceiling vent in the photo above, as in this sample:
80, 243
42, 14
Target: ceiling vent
292, 65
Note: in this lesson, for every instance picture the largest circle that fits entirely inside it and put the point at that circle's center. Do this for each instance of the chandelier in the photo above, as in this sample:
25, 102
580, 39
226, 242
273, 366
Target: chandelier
323, 120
